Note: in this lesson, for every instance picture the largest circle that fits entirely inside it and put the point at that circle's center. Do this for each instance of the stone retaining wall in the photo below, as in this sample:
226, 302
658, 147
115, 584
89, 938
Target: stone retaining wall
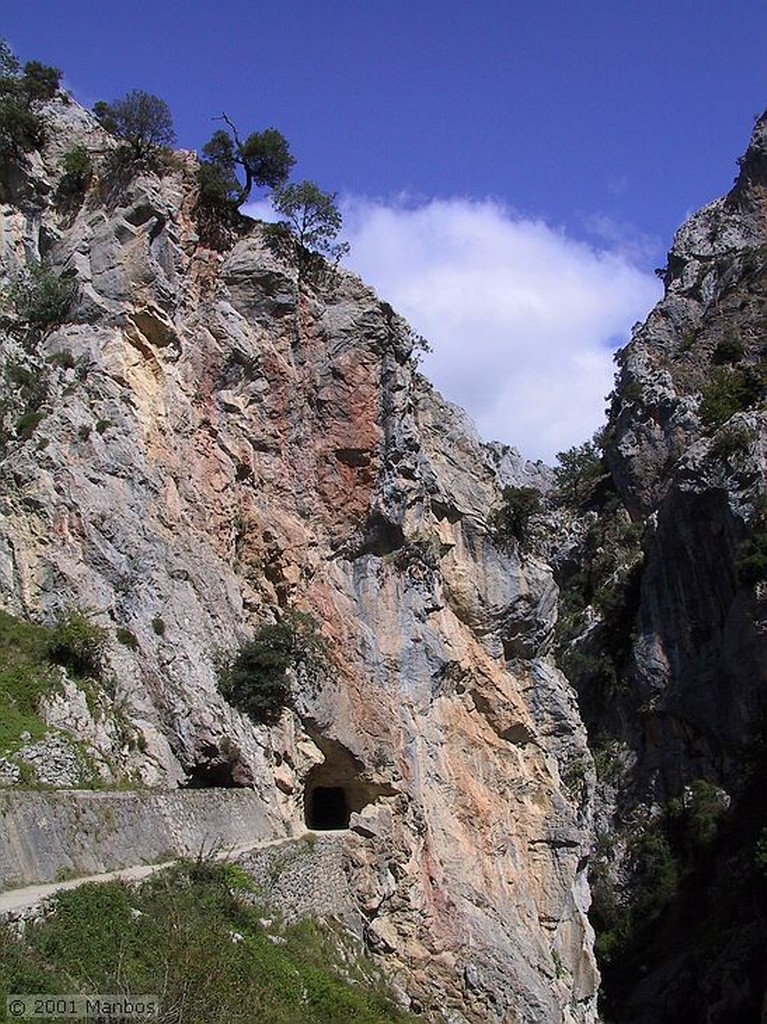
46, 836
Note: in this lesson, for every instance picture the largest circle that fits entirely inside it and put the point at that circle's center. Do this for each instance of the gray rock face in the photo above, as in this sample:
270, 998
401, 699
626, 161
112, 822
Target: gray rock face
224, 442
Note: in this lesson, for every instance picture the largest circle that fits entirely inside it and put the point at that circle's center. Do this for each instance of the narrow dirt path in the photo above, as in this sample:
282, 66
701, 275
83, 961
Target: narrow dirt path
15, 901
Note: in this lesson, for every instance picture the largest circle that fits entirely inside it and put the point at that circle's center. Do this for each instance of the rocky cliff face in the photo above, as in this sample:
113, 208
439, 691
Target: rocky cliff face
220, 443
673, 667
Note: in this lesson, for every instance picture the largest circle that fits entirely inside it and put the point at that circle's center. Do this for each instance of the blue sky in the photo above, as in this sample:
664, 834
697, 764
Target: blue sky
511, 173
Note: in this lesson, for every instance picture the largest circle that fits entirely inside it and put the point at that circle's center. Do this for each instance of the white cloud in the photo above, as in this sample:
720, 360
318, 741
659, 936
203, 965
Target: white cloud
521, 318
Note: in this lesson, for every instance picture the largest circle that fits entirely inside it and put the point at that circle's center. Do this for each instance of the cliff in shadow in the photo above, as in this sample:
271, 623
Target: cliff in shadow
663, 631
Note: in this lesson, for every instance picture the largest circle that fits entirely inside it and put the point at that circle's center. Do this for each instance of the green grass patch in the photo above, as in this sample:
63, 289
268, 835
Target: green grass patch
188, 936
29, 655
26, 676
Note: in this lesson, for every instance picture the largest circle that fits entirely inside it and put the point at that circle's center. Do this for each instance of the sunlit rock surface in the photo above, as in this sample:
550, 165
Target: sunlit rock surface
225, 442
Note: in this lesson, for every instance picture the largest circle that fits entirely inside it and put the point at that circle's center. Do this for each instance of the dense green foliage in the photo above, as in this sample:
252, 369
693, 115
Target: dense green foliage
255, 680
21, 127
37, 301
730, 389
752, 554
312, 216
28, 656
730, 349
41, 299
78, 645
263, 158
26, 675
77, 165
190, 937
24, 384
599, 596
143, 120
578, 473
510, 522
664, 853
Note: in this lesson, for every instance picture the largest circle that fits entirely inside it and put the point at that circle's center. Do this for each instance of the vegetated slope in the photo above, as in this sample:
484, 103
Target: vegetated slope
664, 632
198, 940
221, 453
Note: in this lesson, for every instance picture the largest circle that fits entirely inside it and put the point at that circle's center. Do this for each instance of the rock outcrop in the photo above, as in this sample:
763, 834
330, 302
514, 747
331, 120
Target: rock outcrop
224, 441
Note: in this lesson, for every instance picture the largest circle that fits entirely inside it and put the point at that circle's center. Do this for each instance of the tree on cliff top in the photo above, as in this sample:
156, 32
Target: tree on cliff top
263, 157
143, 120
312, 216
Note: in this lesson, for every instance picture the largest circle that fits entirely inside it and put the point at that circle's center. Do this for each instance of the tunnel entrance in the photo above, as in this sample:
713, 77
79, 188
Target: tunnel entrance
327, 808
336, 789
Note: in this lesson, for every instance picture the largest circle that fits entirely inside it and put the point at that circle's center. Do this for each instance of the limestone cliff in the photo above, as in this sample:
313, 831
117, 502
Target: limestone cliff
221, 442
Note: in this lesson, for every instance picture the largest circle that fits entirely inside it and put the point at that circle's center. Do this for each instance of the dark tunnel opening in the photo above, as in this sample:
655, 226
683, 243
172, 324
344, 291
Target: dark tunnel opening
326, 807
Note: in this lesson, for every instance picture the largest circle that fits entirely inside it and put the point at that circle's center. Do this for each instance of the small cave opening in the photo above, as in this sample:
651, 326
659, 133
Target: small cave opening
217, 768
210, 776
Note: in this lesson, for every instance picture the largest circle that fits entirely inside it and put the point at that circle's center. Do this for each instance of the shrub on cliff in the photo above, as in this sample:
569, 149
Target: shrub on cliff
21, 128
313, 218
78, 644
77, 165
510, 522
143, 120
752, 554
578, 473
730, 389
255, 680
41, 299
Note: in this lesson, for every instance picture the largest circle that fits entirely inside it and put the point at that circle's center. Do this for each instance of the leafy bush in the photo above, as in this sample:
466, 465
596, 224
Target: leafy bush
610, 918
734, 439
730, 390
620, 922
77, 165
752, 553
40, 82
657, 875
24, 385
25, 677
510, 522
729, 350
263, 157
752, 560
579, 470
127, 638
143, 120
255, 680
27, 423
41, 298
78, 644
596, 654
695, 817
312, 216
21, 127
